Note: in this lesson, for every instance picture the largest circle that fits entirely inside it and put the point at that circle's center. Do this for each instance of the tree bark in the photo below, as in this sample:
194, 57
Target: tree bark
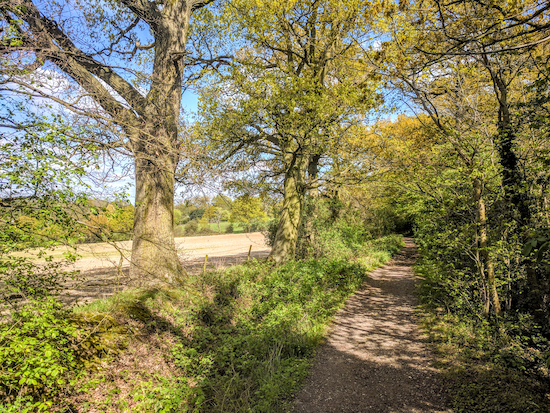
156, 155
313, 175
514, 182
154, 253
483, 246
312, 204
284, 245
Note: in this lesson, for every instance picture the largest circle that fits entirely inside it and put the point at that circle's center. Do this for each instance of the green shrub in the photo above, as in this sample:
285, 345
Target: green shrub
262, 349
38, 352
191, 227
259, 225
43, 346
491, 365
179, 231
206, 230
331, 229
230, 229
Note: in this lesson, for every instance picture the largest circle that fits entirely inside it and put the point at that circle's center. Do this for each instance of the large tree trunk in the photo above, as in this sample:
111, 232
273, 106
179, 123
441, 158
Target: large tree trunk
284, 245
154, 255
156, 154
149, 122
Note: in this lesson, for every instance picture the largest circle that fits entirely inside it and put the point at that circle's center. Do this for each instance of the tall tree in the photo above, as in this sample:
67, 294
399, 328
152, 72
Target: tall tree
290, 95
469, 62
99, 48
503, 39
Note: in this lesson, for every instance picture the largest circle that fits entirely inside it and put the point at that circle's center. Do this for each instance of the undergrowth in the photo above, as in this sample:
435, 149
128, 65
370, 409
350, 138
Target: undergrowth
491, 364
238, 340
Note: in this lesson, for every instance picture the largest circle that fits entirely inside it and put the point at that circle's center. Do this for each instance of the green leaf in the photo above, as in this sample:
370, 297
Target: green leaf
543, 248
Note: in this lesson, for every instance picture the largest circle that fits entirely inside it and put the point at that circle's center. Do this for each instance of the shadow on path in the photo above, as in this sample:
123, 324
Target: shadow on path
375, 358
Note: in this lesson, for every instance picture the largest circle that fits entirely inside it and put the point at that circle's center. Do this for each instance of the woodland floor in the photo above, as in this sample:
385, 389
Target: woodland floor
375, 358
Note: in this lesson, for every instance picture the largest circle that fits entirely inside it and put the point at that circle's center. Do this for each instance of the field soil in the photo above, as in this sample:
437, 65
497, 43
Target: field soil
104, 267
375, 358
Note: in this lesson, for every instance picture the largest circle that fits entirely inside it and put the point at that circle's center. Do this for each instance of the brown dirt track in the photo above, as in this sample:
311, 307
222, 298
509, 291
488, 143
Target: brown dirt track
375, 358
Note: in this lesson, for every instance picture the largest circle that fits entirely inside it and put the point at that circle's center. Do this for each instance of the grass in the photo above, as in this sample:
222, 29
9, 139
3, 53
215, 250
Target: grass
239, 340
223, 225
489, 365
237, 229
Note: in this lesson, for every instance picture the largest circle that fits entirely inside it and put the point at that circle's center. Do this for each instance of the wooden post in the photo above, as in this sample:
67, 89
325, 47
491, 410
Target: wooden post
119, 273
204, 268
250, 249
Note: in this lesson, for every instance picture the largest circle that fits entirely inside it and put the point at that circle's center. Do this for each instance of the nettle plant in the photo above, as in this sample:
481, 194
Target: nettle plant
39, 342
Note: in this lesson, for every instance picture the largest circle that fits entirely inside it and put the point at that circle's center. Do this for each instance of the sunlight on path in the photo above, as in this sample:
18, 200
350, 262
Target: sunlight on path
375, 359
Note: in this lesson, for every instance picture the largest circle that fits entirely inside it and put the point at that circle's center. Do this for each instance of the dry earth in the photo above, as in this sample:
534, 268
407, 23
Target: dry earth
230, 247
375, 358
104, 266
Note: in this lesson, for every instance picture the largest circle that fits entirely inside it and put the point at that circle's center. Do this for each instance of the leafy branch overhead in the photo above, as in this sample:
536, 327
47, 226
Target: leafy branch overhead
137, 104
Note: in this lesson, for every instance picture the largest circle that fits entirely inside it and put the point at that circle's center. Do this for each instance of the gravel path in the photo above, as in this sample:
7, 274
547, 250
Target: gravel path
375, 358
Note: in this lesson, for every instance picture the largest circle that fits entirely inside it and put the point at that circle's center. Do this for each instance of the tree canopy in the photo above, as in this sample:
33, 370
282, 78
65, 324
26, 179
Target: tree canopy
330, 123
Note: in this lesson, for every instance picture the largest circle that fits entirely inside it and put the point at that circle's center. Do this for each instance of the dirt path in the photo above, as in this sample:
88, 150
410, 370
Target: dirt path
375, 358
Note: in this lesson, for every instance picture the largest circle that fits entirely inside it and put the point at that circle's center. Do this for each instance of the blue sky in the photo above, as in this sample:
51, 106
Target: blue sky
189, 101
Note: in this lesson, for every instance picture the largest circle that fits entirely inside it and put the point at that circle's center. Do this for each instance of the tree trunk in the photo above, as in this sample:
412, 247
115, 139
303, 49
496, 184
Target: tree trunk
154, 255
483, 246
313, 175
485, 296
515, 184
312, 203
155, 148
150, 122
284, 245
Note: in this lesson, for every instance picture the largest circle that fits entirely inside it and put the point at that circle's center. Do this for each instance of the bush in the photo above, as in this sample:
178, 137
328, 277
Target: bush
204, 226
488, 367
38, 351
230, 229
179, 231
328, 229
259, 225
42, 346
191, 227
196, 214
